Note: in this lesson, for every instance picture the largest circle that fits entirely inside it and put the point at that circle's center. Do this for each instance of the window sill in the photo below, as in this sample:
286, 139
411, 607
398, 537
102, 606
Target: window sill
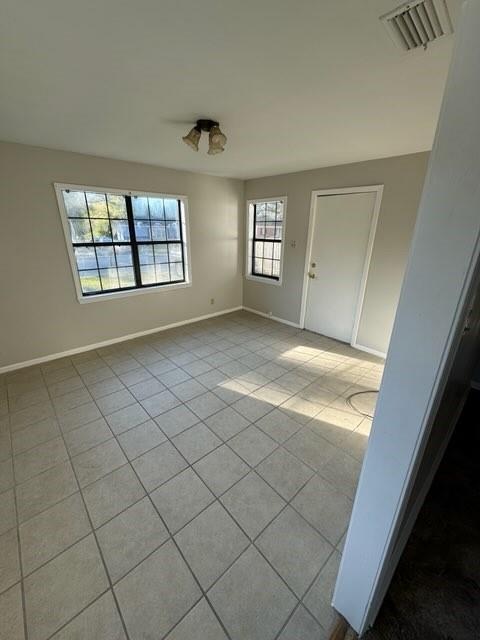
276, 283
102, 297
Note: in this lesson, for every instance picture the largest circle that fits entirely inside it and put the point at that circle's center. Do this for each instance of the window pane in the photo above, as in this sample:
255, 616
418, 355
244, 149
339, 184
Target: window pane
106, 257
90, 282
176, 271
126, 276
278, 231
158, 231
120, 230
142, 230
175, 252
116, 206
145, 254
101, 230
171, 209
97, 205
75, 204
161, 253
258, 265
80, 231
260, 231
259, 249
267, 267
148, 274
173, 231
260, 210
109, 278
271, 211
163, 273
279, 210
277, 250
276, 268
124, 256
140, 207
85, 257
270, 231
268, 250
156, 208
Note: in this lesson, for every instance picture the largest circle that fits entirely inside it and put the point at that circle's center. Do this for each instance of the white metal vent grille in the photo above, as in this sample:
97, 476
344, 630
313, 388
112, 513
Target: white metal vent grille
417, 23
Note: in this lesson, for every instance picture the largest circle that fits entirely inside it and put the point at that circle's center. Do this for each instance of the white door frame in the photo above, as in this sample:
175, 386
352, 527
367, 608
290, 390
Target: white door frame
378, 190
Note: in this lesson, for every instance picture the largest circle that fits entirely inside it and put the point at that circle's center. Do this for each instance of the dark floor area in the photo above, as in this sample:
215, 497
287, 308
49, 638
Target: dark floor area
435, 593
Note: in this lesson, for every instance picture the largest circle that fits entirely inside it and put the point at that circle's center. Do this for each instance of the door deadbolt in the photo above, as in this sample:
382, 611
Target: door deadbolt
314, 264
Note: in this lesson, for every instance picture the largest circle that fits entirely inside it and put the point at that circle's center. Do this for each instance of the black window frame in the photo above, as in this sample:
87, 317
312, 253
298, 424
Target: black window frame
133, 243
273, 241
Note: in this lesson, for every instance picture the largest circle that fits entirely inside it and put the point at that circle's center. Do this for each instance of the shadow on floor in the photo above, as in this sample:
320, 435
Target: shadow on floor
435, 593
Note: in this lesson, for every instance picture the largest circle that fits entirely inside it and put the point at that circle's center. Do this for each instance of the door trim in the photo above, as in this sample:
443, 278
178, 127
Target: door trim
378, 190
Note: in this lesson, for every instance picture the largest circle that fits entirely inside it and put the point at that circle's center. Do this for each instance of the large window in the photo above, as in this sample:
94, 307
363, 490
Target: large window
120, 242
266, 223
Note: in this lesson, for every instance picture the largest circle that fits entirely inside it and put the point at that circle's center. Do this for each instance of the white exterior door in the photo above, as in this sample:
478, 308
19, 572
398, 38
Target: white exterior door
341, 233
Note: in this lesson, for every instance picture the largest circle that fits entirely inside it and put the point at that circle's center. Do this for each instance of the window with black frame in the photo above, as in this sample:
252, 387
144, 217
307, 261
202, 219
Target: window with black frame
267, 234
124, 242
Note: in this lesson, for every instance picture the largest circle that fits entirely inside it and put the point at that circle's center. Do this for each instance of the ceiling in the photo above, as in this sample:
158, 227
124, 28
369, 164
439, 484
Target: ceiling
295, 84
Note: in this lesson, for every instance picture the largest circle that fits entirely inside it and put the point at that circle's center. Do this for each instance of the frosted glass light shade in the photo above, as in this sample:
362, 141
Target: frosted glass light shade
217, 141
192, 138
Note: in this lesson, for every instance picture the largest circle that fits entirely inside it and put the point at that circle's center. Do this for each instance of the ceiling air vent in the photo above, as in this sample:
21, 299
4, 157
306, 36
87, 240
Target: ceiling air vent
415, 24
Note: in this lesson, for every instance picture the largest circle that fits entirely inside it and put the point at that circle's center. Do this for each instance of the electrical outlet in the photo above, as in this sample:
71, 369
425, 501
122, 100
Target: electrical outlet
212, 300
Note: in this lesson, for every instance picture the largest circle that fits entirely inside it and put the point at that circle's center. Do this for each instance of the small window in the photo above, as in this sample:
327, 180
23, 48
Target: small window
265, 227
120, 242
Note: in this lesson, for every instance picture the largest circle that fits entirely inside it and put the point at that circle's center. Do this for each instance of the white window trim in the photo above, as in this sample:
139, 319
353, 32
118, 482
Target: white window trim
115, 295
249, 236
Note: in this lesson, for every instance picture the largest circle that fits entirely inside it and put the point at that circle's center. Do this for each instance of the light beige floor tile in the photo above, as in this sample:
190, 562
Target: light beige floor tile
173, 377
141, 439
200, 623
97, 462
176, 420
35, 435
130, 537
40, 458
294, 549
312, 449
211, 543
227, 423
28, 399
325, 508
146, 388
115, 401
25, 417
252, 503
5, 446
52, 531
182, 498
251, 600
159, 403
187, 390
284, 472
278, 425
9, 560
301, 410
252, 408
342, 471
205, 405
44, 490
99, 621
63, 587
196, 442
252, 445
220, 469
105, 387
156, 594
6, 475
84, 438
302, 626
319, 598
158, 465
78, 416
127, 418
112, 494
11, 614
72, 399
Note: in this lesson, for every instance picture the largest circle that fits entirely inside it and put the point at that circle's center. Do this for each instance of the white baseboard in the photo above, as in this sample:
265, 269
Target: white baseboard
267, 315
374, 352
106, 343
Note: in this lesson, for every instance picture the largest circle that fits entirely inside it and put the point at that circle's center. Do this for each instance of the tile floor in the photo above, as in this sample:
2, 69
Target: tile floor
193, 484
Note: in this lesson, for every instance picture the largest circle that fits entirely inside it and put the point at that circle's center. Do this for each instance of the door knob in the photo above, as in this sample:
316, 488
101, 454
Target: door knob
311, 275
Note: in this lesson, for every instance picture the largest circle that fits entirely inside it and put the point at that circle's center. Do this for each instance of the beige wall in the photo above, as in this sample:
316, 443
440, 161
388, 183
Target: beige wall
403, 177
39, 311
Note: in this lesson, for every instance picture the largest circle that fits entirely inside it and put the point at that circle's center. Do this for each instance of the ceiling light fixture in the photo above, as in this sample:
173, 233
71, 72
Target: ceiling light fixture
216, 139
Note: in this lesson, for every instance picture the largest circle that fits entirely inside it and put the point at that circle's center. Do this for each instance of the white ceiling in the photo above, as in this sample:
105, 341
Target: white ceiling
295, 84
